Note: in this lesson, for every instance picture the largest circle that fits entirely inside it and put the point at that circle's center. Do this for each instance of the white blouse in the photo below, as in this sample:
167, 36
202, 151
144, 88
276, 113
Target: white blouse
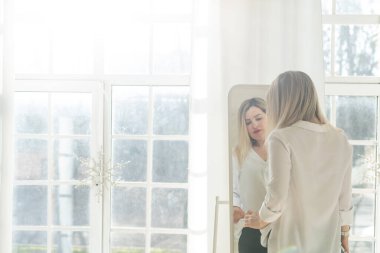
249, 187
309, 192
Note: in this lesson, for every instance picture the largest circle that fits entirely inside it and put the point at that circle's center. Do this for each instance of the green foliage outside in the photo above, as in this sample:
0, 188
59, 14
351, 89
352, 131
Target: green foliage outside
29, 249
42, 249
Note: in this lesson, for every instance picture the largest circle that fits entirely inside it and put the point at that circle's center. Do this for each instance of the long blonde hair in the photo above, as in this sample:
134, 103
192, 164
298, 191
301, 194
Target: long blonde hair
245, 141
292, 97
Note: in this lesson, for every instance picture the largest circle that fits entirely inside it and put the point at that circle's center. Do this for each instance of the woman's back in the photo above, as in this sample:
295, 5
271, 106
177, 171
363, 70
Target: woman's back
312, 163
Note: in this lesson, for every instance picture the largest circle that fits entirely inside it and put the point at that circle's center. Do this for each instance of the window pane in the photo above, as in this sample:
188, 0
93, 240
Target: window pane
168, 243
73, 50
357, 7
135, 153
328, 107
363, 167
361, 247
364, 214
130, 107
31, 12
126, 49
128, 206
71, 205
172, 6
125, 11
326, 7
32, 49
171, 110
73, 117
357, 116
31, 159
127, 242
30, 205
31, 112
356, 50
169, 208
66, 158
171, 48
327, 49
69, 241
170, 161
29, 242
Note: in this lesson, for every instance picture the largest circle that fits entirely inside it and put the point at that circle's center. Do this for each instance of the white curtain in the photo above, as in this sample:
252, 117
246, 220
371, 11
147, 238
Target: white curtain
251, 42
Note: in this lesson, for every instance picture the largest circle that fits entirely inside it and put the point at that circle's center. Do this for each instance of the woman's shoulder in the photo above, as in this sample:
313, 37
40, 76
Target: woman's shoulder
339, 132
279, 134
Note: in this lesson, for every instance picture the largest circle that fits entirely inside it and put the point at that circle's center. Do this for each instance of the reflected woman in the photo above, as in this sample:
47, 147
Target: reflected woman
308, 201
249, 169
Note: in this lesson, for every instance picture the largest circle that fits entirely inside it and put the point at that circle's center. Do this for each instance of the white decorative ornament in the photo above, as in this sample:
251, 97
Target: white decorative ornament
100, 173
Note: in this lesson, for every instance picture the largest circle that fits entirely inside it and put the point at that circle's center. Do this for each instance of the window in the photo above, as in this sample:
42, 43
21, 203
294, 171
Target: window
114, 77
52, 208
150, 128
351, 55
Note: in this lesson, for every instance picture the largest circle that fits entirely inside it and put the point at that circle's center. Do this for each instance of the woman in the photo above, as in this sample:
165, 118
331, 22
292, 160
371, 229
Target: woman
308, 202
249, 167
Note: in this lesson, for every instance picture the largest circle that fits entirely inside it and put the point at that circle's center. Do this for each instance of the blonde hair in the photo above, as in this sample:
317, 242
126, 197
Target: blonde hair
245, 141
292, 97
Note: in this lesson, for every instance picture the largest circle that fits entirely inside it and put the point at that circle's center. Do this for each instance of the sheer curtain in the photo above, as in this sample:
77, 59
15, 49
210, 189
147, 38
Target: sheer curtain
235, 42
251, 42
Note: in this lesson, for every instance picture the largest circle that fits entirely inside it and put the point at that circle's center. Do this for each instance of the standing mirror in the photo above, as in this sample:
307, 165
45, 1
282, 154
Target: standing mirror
242, 178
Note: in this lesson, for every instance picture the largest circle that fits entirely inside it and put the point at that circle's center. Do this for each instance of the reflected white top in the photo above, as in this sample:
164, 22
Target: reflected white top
309, 190
249, 182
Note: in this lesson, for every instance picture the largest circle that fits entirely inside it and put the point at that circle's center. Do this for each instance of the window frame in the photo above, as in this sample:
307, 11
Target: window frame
372, 90
56, 86
102, 106
102, 83
356, 86
149, 137
196, 79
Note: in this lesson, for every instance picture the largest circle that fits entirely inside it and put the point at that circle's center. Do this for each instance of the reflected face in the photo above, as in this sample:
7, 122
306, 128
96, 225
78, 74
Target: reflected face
256, 123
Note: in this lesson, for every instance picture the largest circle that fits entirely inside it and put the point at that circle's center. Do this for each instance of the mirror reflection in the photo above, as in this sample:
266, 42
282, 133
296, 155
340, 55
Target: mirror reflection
247, 124
249, 164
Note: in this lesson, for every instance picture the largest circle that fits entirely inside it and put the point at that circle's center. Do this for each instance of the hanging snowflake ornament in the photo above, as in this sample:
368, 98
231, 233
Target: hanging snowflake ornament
372, 169
98, 173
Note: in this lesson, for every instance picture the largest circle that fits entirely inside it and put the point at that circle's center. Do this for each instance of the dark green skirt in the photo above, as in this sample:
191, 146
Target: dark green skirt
249, 241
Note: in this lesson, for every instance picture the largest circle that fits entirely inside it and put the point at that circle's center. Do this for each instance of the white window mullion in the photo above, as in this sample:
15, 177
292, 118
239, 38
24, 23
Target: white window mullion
333, 110
363, 142
351, 19
351, 89
168, 231
155, 137
144, 80
96, 205
149, 179
377, 186
107, 144
45, 228
332, 69
363, 191
333, 2
50, 175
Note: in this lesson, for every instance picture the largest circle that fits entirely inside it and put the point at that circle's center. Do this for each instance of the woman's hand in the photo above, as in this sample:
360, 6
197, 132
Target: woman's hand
238, 214
252, 219
344, 241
